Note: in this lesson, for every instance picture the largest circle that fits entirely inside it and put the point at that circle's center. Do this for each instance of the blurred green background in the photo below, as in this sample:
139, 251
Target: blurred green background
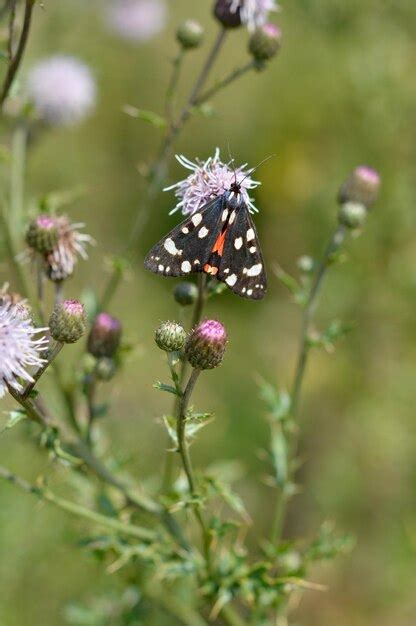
341, 93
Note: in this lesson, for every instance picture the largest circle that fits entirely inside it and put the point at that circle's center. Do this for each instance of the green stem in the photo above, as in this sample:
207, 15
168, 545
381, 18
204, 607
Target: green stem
52, 355
16, 60
158, 173
183, 449
173, 85
230, 615
76, 509
332, 248
17, 180
232, 76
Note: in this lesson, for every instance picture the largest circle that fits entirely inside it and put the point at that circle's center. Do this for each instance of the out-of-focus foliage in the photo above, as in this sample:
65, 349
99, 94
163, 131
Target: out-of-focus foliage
341, 92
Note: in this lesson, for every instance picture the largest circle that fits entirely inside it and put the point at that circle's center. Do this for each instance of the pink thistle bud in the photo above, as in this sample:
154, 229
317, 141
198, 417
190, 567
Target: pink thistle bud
265, 42
105, 335
361, 187
67, 322
42, 234
205, 345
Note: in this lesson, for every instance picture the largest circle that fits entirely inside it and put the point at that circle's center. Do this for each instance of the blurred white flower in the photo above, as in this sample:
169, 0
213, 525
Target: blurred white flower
137, 20
254, 13
19, 347
208, 180
62, 90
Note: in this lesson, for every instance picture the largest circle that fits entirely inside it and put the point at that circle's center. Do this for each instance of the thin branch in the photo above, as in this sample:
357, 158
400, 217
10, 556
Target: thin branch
15, 62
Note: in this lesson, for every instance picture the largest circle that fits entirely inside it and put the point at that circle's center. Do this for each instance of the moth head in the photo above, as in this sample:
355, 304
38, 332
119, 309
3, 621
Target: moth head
234, 196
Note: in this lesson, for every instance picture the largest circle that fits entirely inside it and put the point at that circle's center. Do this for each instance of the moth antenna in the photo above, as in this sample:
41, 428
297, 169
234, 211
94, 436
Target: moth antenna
232, 162
250, 172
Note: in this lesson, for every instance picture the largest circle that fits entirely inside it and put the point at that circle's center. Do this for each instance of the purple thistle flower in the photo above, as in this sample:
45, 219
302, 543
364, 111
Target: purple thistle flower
253, 13
208, 180
205, 345
105, 335
19, 347
137, 20
62, 90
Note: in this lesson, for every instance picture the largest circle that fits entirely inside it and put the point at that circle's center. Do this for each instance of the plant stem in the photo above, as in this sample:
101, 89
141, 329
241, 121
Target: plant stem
173, 84
232, 76
53, 354
230, 615
332, 248
158, 172
14, 62
90, 393
76, 509
183, 449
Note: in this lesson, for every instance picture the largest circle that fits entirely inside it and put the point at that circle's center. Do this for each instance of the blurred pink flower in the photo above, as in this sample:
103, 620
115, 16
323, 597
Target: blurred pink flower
137, 20
208, 180
254, 13
62, 90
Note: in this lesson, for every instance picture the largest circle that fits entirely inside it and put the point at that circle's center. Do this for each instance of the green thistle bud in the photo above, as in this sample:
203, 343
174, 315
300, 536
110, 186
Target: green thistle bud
352, 215
105, 335
190, 34
362, 186
265, 42
227, 13
42, 234
170, 337
67, 322
185, 293
105, 369
205, 345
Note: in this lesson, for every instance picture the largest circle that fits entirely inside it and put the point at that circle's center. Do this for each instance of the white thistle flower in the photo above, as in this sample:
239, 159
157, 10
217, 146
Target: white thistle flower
137, 20
254, 13
209, 180
62, 90
20, 348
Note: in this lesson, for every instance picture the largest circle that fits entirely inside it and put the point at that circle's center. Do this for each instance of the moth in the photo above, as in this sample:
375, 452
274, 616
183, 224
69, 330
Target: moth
220, 240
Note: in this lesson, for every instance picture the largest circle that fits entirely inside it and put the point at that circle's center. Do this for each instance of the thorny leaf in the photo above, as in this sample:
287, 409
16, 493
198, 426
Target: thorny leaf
278, 401
335, 332
146, 116
163, 387
14, 418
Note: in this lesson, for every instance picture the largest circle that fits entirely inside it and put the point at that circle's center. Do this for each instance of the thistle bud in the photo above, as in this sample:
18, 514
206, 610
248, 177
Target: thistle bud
227, 13
105, 335
352, 215
190, 34
362, 186
105, 369
185, 293
264, 43
67, 322
42, 234
170, 337
205, 345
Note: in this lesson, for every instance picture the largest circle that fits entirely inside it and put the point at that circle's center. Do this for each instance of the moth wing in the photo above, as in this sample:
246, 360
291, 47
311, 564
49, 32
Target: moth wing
242, 265
188, 246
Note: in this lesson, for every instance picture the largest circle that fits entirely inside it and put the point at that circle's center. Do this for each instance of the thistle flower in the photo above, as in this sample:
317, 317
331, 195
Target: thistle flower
190, 34
265, 41
66, 241
105, 335
9, 298
209, 180
62, 90
20, 347
137, 20
67, 322
362, 186
205, 345
170, 336
252, 13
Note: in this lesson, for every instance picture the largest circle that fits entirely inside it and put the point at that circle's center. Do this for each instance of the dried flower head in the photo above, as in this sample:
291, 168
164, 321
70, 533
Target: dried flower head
252, 13
208, 180
137, 20
205, 345
59, 243
62, 90
20, 347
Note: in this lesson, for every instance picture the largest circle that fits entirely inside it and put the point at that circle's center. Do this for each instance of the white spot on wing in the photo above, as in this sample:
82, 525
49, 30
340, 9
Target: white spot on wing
231, 280
224, 215
232, 217
253, 249
203, 232
254, 270
185, 230
249, 292
161, 268
250, 234
170, 246
196, 262
186, 267
196, 219
238, 242
226, 271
